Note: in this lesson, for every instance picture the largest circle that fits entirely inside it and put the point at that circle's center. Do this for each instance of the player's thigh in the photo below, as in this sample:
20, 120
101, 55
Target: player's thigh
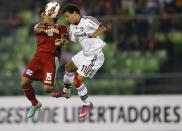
25, 82
76, 61
33, 69
70, 66
49, 71
97, 65
91, 65
81, 78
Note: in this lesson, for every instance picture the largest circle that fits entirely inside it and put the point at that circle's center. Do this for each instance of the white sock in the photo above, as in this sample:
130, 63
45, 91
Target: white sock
83, 93
86, 101
68, 81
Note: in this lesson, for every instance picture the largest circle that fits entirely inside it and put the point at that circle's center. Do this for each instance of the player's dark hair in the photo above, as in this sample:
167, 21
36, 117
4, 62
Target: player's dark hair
42, 10
55, 20
71, 8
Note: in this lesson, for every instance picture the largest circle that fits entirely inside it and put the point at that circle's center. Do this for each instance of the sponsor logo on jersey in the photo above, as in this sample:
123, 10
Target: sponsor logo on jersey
80, 34
81, 29
29, 72
50, 32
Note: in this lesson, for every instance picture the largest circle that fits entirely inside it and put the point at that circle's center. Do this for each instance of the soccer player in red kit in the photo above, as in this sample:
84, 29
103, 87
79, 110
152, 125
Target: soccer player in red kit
44, 65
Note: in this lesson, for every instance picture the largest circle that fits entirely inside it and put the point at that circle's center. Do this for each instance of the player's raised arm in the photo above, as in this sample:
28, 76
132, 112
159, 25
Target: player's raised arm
63, 40
68, 41
39, 29
101, 29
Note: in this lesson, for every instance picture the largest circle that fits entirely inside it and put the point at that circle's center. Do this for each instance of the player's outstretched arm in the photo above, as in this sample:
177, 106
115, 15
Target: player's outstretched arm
39, 29
68, 42
63, 40
98, 32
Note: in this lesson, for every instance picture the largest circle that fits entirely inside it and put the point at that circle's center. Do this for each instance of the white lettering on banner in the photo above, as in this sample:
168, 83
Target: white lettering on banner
131, 113
120, 114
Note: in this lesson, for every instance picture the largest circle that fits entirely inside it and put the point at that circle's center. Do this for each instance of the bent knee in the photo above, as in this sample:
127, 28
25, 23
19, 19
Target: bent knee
77, 82
25, 83
68, 68
48, 89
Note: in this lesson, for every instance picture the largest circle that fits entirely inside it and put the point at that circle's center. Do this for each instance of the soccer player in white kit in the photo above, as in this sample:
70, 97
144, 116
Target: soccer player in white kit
85, 30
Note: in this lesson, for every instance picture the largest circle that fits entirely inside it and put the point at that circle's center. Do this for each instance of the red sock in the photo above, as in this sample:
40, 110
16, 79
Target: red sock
30, 94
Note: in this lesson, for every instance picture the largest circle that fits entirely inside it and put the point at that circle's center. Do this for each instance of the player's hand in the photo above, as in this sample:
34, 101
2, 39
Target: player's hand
91, 36
40, 28
59, 42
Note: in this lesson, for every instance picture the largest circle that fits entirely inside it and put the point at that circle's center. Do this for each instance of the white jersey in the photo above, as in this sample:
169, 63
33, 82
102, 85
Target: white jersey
79, 33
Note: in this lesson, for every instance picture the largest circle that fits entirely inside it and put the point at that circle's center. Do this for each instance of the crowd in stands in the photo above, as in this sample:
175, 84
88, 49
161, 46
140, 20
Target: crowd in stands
133, 32
139, 33
130, 24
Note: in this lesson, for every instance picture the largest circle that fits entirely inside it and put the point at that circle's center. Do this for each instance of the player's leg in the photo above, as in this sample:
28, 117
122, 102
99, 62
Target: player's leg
83, 93
70, 68
48, 88
28, 90
49, 71
32, 72
87, 69
30, 94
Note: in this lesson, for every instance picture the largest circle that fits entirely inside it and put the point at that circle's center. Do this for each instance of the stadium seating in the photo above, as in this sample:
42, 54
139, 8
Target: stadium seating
22, 45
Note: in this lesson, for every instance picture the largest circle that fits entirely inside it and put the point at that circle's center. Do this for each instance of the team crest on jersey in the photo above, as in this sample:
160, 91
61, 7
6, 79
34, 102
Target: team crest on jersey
29, 72
81, 29
50, 34
77, 34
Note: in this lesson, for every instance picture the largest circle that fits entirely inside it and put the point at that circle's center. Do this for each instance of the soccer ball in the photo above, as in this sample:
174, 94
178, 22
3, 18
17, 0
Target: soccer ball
52, 9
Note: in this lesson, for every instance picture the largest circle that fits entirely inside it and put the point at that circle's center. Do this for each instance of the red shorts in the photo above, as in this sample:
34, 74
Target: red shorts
43, 67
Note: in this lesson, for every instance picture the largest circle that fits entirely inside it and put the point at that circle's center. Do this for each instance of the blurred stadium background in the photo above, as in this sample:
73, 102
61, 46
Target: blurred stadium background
143, 54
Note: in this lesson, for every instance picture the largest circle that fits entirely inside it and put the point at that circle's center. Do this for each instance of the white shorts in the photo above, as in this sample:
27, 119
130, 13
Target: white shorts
88, 65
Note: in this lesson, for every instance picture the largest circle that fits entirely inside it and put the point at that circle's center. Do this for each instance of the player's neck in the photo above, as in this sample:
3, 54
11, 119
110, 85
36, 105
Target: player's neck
51, 22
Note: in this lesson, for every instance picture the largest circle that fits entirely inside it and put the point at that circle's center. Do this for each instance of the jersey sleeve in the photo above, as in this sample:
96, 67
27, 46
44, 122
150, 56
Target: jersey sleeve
63, 30
35, 28
93, 22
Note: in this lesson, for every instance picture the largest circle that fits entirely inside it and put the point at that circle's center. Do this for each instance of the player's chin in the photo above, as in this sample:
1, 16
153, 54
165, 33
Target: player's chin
69, 22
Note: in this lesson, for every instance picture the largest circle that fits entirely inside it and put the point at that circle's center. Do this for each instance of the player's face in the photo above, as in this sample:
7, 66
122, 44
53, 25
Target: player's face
45, 19
71, 18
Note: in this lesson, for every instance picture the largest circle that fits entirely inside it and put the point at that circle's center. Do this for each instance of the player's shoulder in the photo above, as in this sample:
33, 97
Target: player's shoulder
60, 26
88, 17
71, 26
36, 25
91, 18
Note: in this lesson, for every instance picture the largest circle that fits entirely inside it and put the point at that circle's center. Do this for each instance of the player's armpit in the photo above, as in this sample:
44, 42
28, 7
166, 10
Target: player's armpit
98, 32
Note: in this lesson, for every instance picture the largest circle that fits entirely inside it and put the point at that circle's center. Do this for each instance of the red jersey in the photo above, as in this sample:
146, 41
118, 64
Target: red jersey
46, 42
